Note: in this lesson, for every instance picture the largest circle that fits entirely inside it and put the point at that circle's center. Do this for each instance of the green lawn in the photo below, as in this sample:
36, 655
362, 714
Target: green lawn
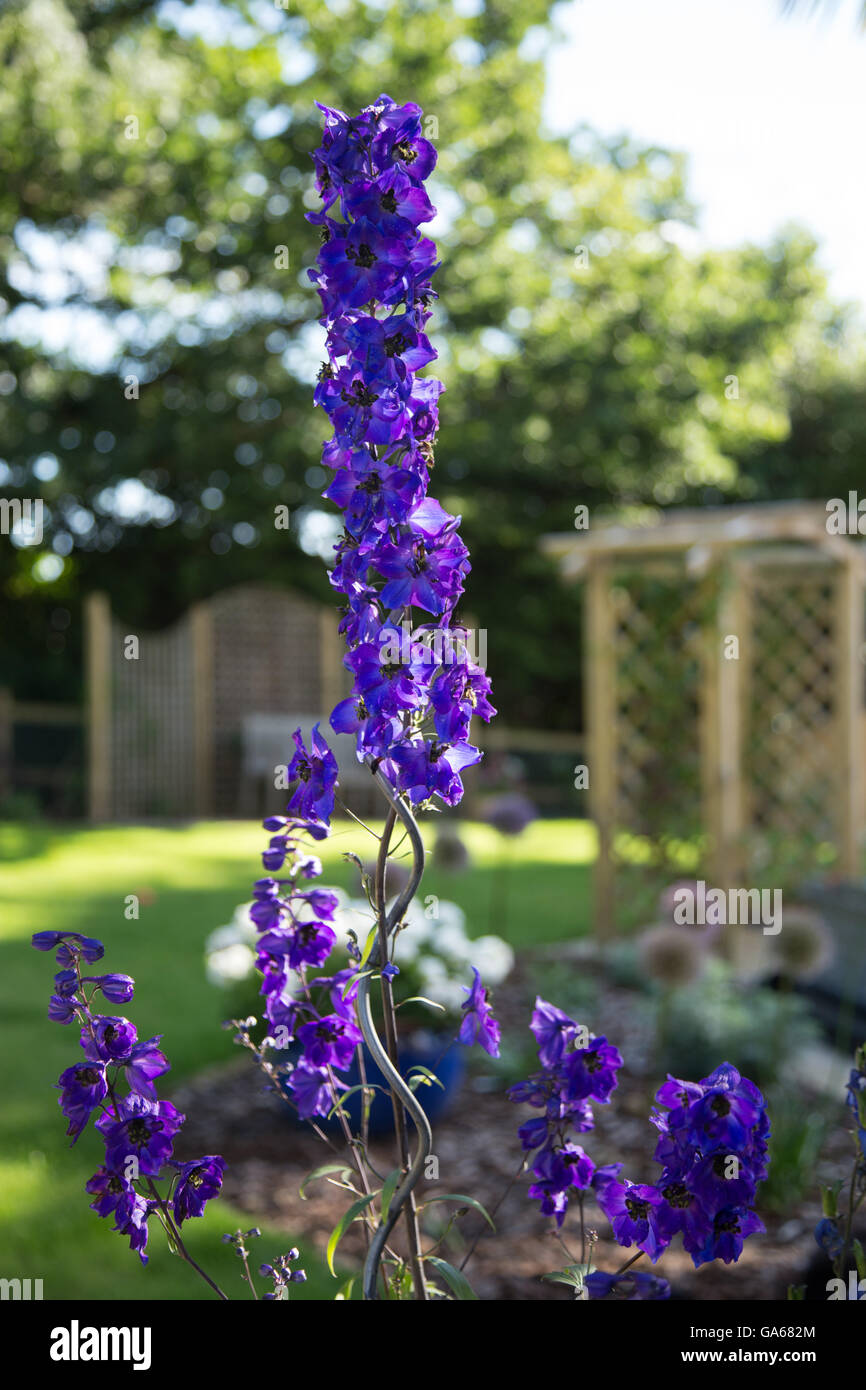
189, 880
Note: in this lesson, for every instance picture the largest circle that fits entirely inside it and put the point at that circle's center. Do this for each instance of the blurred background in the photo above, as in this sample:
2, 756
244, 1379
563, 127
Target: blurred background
650, 330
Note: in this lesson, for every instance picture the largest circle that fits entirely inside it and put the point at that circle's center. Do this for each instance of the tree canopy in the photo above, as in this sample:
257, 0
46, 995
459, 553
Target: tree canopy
160, 338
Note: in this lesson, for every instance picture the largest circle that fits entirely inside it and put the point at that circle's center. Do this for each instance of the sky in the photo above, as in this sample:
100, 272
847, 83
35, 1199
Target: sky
769, 107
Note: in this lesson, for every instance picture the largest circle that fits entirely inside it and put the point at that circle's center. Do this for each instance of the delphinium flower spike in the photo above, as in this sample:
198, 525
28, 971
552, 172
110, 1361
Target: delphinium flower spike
114, 1085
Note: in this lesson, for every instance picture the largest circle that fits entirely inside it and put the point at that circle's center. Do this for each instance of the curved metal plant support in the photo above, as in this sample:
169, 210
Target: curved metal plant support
404, 1095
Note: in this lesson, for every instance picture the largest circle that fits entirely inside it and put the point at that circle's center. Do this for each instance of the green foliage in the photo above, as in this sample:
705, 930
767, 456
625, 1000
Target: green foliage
718, 1018
585, 354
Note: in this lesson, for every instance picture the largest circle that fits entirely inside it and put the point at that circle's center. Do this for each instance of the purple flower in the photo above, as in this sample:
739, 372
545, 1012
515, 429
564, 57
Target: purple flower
553, 1030
61, 1010
108, 1039
632, 1210
115, 1195
199, 1181
311, 1090
144, 1064
142, 1130
316, 772
633, 1285
479, 1025
511, 813
83, 1087
591, 1071
428, 768
72, 945
725, 1242
118, 989
136, 1227
329, 1041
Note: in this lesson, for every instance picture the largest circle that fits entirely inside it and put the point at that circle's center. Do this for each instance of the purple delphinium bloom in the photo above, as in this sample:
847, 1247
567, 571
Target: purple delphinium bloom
510, 813
725, 1241
479, 1025
198, 1181
115, 1195
139, 1129
633, 1285
632, 1210
591, 1071
108, 1039
553, 1030
329, 1041
70, 944
311, 1090
118, 989
83, 1087
400, 550
316, 774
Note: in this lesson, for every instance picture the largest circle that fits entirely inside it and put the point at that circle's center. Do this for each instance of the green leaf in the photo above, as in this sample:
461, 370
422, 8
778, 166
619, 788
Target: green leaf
343, 1225
456, 1281
573, 1275
420, 999
464, 1201
370, 1086
322, 1172
423, 1076
345, 1293
368, 945
388, 1190
350, 983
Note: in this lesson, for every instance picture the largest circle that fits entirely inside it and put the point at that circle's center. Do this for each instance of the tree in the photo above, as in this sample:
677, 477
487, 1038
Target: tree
156, 176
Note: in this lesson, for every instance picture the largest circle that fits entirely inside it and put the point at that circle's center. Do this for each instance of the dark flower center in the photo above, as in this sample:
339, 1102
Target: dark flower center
388, 201
196, 1178
636, 1208
395, 345
371, 484
721, 1105
88, 1076
139, 1132
677, 1195
728, 1223
360, 395
305, 771
365, 257
406, 152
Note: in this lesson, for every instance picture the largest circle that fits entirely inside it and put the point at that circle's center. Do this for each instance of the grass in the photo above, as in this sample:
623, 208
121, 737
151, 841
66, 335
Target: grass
188, 880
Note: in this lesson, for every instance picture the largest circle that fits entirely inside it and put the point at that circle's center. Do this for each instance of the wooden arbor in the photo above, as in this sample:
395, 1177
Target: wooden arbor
724, 676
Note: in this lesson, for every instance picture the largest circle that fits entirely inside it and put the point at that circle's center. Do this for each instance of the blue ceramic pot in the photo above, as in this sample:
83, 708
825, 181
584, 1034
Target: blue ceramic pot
419, 1049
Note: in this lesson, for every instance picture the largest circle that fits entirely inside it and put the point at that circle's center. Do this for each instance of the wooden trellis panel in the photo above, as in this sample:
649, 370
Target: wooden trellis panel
644, 683
796, 758
165, 727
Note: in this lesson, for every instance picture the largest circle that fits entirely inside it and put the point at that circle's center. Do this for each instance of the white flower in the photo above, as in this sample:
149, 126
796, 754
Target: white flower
493, 958
230, 964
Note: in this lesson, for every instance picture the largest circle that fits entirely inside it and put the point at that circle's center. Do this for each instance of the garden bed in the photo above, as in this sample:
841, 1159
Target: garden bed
230, 1112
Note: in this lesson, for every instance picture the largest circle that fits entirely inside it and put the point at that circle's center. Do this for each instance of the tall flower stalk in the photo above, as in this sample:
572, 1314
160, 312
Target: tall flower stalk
399, 562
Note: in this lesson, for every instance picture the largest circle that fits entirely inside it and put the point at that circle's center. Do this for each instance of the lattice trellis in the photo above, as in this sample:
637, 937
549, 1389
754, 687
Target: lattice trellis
792, 736
165, 727
724, 668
